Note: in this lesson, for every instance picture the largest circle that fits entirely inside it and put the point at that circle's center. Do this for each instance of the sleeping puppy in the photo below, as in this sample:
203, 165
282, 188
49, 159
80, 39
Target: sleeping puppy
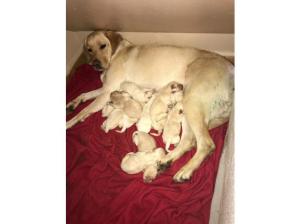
117, 118
143, 141
122, 111
107, 109
165, 99
122, 100
171, 132
144, 124
113, 120
142, 95
146, 162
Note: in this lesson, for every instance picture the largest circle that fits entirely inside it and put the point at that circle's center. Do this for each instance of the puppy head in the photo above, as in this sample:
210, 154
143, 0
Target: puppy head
100, 46
116, 99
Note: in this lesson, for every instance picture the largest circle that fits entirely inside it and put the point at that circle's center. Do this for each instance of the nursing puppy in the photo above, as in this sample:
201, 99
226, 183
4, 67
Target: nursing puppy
171, 132
144, 124
146, 162
208, 80
122, 100
122, 111
165, 99
117, 118
107, 109
142, 95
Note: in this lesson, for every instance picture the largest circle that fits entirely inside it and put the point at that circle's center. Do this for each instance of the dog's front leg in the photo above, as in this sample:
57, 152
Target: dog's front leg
95, 106
84, 97
186, 143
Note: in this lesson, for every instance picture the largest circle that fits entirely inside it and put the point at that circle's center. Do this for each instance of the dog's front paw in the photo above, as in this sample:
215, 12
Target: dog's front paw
184, 174
74, 103
162, 166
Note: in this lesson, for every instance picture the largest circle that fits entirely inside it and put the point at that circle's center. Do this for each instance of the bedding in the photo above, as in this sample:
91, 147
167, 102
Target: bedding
98, 191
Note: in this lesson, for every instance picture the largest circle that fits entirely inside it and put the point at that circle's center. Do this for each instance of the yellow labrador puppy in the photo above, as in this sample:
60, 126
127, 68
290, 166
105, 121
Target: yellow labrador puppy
146, 162
164, 100
138, 93
144, 124
172, 128
122, 100
122, 111
207, 79
117, 118
143, 141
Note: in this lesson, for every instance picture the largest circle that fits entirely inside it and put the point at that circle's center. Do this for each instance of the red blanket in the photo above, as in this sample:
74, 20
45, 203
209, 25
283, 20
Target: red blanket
98, 191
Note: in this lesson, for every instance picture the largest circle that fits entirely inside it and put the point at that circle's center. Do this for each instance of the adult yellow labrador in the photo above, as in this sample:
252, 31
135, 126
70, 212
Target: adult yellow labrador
208, 87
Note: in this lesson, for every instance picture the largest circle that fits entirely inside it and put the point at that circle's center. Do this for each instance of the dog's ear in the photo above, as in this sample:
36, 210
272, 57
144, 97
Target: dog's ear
85, 51
114, 39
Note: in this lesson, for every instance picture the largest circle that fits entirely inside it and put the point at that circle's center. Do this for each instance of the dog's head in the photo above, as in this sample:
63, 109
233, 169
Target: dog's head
100, 46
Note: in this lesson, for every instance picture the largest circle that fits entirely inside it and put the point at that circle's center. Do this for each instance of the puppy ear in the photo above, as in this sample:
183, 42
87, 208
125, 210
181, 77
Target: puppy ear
114, 39
135, 138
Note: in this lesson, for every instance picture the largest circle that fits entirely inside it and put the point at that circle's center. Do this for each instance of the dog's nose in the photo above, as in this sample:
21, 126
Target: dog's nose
96, 64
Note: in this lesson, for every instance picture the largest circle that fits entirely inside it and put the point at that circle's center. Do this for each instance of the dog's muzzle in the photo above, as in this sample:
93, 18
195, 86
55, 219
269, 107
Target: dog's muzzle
97, 65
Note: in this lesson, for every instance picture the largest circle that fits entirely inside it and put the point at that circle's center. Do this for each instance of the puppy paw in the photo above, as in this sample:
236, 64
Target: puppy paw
148, 179
149, 174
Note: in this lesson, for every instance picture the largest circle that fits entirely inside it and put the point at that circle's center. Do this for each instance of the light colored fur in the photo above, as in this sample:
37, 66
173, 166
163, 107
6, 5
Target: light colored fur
107, 109
117, 118
142, 95
122, 100
172, 128
144, 123
143, 141
208, 84
164, 100
146, 162
122, 111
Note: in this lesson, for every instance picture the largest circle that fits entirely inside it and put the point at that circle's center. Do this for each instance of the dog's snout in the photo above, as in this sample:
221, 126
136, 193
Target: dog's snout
97, 64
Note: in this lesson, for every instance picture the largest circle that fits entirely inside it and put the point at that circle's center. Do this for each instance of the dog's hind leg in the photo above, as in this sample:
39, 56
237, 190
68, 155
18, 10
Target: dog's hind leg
205, 144
95, 106
186, 143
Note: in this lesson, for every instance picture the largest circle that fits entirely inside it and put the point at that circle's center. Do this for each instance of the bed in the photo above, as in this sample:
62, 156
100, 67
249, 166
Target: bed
98, 191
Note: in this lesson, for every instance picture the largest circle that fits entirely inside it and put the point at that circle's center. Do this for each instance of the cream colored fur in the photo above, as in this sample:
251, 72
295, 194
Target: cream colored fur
208, 86
172, 128
146, 162
138, 93
163, 102
143, 141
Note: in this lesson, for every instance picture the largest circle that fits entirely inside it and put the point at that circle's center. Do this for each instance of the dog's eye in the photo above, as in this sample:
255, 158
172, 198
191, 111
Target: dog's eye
102, 46
89, 50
